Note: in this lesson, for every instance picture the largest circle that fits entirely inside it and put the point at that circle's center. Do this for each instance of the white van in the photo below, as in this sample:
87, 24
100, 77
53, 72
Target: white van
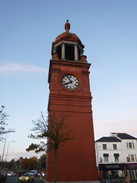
35, 172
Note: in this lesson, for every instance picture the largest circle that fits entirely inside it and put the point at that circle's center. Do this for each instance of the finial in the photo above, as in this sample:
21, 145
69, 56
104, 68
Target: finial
67, 26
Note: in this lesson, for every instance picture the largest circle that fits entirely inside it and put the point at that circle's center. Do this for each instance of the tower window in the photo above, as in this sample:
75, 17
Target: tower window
69, 52
59, 51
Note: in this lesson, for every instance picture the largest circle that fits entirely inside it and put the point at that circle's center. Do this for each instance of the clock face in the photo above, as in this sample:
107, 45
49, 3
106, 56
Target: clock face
70, 81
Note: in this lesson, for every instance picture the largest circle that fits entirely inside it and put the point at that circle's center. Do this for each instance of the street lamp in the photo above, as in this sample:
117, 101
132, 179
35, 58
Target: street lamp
7, 152
3, 151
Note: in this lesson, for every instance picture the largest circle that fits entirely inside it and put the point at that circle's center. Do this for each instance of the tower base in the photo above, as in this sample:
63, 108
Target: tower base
95, 181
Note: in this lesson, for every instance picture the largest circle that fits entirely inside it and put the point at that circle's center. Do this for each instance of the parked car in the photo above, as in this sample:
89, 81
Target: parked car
27, 177
3, 176
35, 172
11, 174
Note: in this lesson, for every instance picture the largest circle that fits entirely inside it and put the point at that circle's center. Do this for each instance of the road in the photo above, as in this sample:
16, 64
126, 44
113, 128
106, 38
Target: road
15, 180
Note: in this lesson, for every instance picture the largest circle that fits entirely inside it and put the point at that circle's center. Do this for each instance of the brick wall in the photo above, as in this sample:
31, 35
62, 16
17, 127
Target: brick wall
76, 160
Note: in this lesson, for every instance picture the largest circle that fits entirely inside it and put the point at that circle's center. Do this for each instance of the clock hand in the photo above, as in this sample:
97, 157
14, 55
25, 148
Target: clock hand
68, 82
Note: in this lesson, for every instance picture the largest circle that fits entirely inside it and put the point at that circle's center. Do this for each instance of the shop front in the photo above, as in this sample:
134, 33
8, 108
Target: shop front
131, 170
119, 170
112, 170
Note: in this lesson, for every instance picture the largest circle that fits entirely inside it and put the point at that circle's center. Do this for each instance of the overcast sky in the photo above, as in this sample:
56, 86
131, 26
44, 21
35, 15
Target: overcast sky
108, 29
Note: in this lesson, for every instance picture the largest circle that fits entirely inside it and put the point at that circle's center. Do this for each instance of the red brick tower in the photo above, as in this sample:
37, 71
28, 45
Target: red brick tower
70, 91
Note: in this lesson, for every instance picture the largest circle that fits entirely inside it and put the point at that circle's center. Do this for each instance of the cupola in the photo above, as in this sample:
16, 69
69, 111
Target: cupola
68, 46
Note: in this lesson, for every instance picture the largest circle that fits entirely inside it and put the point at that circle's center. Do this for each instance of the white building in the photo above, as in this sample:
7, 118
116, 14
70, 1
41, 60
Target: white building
117, 154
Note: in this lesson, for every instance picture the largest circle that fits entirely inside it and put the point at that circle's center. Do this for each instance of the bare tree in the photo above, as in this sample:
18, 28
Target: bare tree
55, 130
3, 117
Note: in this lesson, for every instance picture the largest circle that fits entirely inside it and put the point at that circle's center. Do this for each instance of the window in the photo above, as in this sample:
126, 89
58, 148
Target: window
116, 157
132, 158
114, 146
69, 52
130, 145
59, 51
104, 146
106, 157
128, 158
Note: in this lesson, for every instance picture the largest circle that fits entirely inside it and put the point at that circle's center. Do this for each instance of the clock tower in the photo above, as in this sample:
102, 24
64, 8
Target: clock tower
70, 91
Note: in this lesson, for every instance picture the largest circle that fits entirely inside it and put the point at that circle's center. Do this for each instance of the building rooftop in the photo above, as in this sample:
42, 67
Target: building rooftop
108, 139
123, 136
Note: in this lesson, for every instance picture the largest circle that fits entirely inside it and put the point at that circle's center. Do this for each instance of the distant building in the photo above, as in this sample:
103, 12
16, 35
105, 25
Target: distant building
116, 155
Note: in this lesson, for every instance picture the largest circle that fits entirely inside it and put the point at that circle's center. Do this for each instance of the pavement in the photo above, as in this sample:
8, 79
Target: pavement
101, 181
43, 180
118, 180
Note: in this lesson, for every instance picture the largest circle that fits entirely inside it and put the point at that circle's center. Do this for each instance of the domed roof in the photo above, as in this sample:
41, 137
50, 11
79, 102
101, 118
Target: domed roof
67, 36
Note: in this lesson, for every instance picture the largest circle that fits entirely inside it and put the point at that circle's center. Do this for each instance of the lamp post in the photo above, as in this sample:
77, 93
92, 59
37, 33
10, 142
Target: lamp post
7, 152
3, 151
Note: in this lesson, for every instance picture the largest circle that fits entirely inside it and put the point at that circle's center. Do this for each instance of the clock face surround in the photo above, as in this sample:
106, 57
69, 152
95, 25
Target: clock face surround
70, 81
